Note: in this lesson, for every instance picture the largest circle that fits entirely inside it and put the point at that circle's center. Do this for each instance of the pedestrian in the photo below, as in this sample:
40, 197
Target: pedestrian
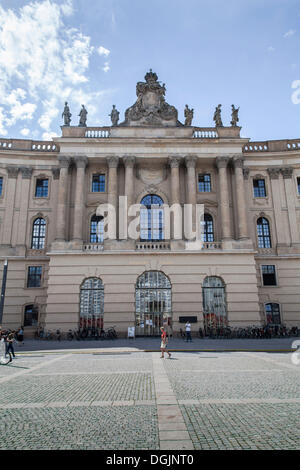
3, 349
20, 335
164, 342
10, 344
188, 331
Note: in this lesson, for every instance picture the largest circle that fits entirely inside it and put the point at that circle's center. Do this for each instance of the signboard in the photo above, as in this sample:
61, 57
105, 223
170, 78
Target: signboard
188, 319
131, 331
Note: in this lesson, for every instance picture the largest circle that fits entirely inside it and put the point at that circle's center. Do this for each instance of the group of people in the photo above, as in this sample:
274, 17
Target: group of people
7, 340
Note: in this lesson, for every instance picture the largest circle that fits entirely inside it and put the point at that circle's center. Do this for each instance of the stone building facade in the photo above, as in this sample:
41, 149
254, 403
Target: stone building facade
62, 270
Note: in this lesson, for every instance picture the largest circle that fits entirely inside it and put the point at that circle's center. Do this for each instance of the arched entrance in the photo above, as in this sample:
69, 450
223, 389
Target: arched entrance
214, 303
153, 303
91, 304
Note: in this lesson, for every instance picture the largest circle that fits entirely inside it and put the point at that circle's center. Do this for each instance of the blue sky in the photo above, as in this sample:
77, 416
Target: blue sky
92, 52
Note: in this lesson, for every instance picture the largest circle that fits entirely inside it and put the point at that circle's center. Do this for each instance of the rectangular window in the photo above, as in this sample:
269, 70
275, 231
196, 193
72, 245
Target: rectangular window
269, 275
98, 183
41, 189
1, 185
204, 183
259, 188
34, 278
298, 184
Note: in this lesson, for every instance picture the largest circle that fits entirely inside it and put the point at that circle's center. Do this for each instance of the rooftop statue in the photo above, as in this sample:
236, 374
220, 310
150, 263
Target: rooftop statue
188, 114
150, 108
66, 115
82, 115
234, 115
217, 116
114, 116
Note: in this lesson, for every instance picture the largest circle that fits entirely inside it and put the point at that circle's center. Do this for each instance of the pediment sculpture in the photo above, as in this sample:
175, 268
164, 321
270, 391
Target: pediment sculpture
150, 108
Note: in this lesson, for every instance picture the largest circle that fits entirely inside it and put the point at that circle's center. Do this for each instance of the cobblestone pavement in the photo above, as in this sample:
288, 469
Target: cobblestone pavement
115, 400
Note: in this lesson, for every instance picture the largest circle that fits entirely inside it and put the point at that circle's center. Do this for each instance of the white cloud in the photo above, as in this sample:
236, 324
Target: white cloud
25, 131
47, 61
49, 135
289, 33
103, 51
106, 67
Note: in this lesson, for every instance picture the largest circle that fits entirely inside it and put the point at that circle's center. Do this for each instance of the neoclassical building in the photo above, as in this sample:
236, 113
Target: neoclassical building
63, 270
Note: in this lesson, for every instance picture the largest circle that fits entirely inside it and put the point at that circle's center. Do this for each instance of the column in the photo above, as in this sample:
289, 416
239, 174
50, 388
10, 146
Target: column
222, 163
129, 161
238, 163
81, 163
287, 173
10, 202
190, 163
112, 199
274, 174
62, 198
26, 178
174, 162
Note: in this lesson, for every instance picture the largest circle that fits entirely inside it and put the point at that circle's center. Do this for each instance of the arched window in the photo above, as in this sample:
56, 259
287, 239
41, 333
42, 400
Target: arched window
152, 218
208, 229
153, 304
91, 303
273, 314
31, 315
214, 302
97, 229
38, 234
263, 233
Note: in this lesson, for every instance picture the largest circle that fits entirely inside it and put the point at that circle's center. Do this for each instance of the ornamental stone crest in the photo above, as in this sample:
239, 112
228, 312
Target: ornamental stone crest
150, 108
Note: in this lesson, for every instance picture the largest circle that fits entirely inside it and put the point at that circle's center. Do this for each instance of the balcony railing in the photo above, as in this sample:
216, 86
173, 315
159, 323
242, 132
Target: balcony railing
31, 145
212, 246
97, 133
272, 146
93, 247
205, 133
152, 246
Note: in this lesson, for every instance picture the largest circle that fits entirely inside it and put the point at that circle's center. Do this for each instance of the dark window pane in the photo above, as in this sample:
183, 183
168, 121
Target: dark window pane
208, 232
97, 229
273, 314
98, 183
269, 275
38, 234
41, 189
263, 233
298, 183
30, 316
34, 276
1, 185
259, 188
204, 183
152, 218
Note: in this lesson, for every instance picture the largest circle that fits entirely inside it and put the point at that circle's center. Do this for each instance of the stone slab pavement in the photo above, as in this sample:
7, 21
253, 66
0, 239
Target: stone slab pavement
116, 399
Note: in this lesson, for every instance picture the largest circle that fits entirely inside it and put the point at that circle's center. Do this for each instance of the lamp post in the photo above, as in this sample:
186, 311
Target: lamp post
3, 290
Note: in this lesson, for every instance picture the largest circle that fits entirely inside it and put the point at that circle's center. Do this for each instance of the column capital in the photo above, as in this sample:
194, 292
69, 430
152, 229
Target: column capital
237, 161
129, 161
174, 161
222, 162
274, 173
26, 172
190, 161
12, 171
112, 161
64, 161
80, 162
55, 173
287, 172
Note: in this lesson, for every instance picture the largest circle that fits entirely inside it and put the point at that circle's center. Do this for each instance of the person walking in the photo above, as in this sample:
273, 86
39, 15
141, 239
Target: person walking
20, 335
10, 344
188, 331
164, 342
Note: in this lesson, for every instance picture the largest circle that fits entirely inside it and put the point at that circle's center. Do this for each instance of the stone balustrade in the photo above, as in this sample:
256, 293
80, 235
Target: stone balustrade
97, 133
212, 246
272, 146
152, 246
92, 247
205, 133
31, 145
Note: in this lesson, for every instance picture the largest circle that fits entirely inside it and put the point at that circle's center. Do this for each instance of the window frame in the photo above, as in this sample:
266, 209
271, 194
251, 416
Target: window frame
258, 179
28, 268
262, 275
92, 182
263, 236
42, 178
39, 237
204, 183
